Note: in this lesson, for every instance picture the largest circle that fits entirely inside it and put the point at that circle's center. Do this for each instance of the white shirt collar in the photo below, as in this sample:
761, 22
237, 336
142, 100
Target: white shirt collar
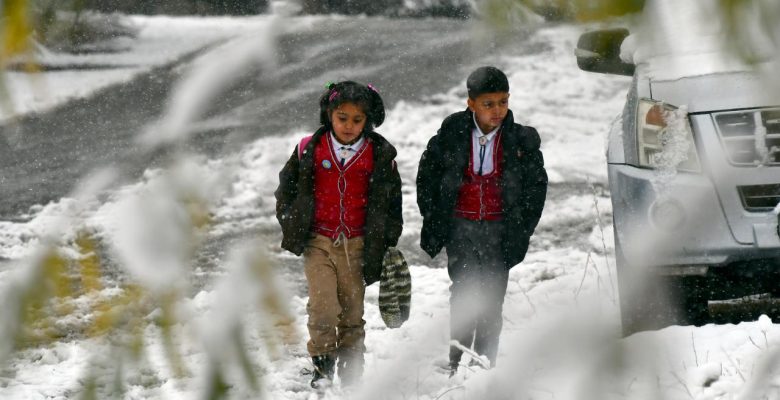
353, 147
478, 132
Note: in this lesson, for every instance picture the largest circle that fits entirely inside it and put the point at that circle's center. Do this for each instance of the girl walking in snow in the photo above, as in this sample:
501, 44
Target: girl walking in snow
339, 204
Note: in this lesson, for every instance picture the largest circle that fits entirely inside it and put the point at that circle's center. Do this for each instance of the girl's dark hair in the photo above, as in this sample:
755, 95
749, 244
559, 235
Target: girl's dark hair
364, 96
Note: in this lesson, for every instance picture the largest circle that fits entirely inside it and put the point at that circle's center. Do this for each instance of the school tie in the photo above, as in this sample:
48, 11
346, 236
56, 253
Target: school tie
344, 152
482, 142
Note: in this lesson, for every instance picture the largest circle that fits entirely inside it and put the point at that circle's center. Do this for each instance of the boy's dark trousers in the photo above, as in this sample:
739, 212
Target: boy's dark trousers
479, 279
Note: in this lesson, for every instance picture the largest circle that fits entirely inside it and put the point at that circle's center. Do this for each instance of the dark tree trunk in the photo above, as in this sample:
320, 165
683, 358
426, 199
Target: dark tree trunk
351, 7
179, 7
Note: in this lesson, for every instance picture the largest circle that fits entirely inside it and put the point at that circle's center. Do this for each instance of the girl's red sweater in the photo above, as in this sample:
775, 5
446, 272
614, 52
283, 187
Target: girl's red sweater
341, 192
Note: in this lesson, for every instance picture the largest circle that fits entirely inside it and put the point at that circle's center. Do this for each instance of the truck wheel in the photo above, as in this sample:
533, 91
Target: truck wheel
693, 295
773, 283
649, 301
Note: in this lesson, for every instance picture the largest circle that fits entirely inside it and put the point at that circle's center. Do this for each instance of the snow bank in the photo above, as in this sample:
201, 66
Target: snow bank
160, 40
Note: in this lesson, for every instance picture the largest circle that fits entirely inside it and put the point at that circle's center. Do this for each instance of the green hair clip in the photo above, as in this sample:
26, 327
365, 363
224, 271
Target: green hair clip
329, 85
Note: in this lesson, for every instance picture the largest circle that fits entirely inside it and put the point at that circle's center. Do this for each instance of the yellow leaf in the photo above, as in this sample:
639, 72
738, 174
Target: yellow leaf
89, 264
16, 28
598, 10
110, 313
167, 323
36, 303
56, 271
198, 211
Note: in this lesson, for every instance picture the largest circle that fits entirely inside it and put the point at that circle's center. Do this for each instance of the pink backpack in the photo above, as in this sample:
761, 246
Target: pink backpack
302, 145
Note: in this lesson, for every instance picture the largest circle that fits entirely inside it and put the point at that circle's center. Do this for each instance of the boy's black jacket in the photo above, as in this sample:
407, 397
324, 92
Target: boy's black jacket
295, 203
523, 182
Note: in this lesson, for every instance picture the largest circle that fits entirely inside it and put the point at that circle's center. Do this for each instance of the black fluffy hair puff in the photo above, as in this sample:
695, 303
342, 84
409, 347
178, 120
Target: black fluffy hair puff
365, 97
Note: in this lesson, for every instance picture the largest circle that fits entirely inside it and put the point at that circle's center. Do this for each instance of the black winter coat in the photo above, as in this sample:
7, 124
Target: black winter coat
523, 182
295, 203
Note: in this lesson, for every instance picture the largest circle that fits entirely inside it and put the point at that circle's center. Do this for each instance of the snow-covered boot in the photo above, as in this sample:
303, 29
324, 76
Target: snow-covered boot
455, 356
323, 369
350, 367
484, 363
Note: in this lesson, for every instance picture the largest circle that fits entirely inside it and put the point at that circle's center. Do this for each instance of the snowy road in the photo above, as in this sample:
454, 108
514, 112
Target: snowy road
407, 60
560, 333
48, 152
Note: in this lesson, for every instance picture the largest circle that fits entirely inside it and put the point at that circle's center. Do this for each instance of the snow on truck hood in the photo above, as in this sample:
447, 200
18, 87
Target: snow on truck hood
720, 91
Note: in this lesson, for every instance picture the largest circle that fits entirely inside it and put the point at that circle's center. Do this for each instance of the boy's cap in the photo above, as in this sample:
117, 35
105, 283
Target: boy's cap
486, 80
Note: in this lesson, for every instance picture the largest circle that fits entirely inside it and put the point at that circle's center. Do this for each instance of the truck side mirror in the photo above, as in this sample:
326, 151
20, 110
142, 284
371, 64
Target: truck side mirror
599, 51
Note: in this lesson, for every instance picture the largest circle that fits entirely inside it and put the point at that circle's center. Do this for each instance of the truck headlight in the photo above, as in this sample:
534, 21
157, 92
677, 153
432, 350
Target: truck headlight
665, 138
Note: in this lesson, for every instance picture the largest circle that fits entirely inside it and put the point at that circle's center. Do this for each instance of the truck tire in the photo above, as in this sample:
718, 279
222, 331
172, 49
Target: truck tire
649, 301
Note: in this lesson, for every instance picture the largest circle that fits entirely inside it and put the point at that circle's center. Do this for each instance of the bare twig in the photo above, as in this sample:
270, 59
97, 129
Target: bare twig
728, 357
680, 381
603, 243
533, 308
584, 273
754, 343
695, 355
449, 390
509, 321
473, 354
628, 388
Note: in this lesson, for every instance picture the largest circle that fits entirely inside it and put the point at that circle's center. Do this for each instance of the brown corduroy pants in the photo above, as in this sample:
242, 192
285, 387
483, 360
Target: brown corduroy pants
334, 271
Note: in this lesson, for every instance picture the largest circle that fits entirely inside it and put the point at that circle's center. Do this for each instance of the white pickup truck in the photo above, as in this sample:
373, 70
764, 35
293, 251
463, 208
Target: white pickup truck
694, 168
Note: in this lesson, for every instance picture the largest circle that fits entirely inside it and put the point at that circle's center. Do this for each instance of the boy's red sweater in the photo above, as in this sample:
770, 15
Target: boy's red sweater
479, 197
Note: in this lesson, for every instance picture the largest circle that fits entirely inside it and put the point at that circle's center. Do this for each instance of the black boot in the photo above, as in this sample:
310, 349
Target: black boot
453, 367
455, 355
323, 369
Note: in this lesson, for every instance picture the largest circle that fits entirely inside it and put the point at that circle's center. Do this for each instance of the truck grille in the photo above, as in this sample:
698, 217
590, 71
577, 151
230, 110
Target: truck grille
751, 137
759, 197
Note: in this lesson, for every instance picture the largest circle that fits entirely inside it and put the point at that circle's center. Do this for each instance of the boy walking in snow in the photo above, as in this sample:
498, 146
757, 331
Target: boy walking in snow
481, 187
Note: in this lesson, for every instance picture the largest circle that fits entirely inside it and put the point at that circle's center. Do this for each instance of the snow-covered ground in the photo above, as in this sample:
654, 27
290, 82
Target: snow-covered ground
560, 337
159, 40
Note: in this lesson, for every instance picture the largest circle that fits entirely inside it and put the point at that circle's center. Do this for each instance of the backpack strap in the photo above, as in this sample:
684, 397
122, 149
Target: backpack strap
302, 145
